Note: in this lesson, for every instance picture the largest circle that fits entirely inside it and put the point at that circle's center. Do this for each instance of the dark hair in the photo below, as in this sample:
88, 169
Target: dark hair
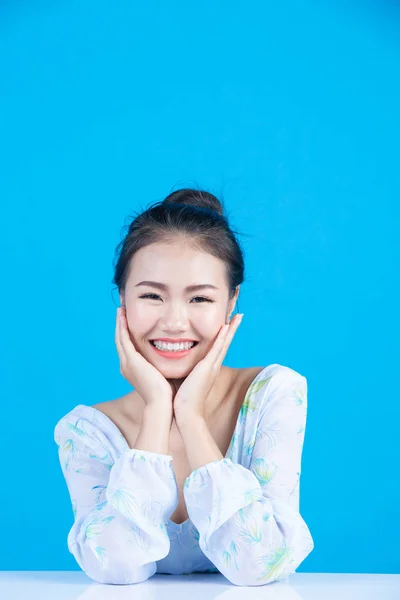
188, 213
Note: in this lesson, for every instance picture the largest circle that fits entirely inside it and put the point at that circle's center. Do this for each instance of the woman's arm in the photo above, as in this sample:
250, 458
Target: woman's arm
248, 520
120, 506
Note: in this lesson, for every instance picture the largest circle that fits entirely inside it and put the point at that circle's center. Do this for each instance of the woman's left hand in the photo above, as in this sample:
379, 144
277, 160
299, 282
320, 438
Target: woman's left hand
190, 399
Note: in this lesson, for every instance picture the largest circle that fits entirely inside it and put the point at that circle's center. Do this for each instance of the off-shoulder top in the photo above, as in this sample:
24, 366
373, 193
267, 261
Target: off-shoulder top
244, 516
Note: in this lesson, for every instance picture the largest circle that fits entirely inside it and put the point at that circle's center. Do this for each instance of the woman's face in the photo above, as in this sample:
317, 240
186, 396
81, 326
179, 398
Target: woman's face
174, 311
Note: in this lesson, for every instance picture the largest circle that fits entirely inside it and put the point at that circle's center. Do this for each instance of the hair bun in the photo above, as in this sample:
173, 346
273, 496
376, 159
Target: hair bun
199, 198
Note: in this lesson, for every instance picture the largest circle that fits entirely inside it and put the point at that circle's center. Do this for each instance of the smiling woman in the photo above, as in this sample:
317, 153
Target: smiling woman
178, 273
197, 469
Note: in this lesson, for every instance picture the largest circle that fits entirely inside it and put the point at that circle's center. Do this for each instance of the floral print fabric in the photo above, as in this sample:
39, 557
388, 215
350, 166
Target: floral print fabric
244, 518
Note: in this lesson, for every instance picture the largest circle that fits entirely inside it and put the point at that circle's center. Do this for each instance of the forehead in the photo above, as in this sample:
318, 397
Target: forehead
176, 263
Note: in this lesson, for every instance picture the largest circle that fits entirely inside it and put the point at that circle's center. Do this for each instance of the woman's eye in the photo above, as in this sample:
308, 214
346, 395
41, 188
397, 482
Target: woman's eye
203, 299
151, 296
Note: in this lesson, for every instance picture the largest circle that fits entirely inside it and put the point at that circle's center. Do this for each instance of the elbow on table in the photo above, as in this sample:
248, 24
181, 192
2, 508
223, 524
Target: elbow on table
123, 575
115, 571
270, 568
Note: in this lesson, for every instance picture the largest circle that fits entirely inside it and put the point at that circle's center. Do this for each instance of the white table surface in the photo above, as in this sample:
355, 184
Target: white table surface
68, 585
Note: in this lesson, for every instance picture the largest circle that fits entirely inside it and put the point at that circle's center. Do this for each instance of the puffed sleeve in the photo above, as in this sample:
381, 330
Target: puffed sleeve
248, 520
120, 503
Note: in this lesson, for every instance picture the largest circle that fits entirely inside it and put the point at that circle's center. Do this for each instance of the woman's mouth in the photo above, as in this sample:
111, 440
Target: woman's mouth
172, 353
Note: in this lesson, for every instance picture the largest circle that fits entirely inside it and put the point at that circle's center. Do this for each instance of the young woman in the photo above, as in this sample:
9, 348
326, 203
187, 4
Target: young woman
198, 468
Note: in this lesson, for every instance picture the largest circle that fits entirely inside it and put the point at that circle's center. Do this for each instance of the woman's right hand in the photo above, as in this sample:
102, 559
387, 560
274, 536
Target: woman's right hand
143, 376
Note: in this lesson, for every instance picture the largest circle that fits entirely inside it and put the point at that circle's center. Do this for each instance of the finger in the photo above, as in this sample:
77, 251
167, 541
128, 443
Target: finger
117, 335
126, 342
228, 337
218, 344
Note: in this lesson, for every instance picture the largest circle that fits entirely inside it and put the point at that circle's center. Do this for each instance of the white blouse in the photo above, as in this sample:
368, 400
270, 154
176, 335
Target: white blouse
244, 518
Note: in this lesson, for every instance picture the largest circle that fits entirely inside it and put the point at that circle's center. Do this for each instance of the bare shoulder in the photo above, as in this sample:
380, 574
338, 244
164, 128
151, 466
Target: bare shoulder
108, 408
117, 410
247, 375
241, 381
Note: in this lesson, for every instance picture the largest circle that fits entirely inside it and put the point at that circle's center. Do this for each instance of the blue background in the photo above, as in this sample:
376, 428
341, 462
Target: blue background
289, 110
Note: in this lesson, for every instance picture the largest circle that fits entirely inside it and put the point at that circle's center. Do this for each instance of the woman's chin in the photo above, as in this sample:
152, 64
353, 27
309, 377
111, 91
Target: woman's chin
172, 369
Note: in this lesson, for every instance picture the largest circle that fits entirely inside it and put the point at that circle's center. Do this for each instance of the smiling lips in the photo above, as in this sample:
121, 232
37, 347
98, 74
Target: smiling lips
172, 353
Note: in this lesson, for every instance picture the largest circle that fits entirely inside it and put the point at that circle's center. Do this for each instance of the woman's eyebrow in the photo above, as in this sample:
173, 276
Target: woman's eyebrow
190, 288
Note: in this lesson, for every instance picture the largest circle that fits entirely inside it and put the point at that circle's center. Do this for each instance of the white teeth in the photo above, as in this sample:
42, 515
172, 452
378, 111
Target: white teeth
167, 346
